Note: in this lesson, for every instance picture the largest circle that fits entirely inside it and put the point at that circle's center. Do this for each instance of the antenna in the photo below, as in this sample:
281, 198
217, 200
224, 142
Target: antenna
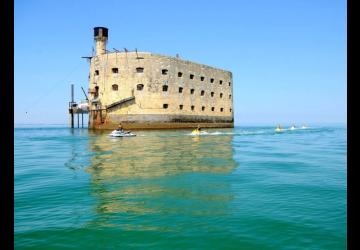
72, 93
116, 50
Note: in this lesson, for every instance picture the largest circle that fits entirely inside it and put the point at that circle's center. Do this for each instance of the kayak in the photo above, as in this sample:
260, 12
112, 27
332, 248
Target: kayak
121, 134
278, 130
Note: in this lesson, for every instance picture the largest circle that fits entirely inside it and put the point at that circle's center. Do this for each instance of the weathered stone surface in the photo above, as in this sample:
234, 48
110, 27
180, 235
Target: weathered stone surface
145, 76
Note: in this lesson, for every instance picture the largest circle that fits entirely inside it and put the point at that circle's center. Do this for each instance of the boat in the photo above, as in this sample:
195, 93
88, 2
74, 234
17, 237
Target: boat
117, 133
278, 130
198, 132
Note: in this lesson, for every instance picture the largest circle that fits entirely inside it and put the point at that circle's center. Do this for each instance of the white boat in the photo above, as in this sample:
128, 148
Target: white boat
117, 133
84, 105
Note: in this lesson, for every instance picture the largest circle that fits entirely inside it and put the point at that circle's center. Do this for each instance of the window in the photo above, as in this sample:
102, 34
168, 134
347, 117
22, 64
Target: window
222, 109
96, 72
179, 74
140, 86
180, 90
192, 108
164, 71
230, 110
203, 108
165, 88
229, 96
212, 94
115, 87
165, 106
202, 78
212, 80
220, 82
181, 107
192, 91
221, 94
115, 70
139, 70
202, 92
212, 109
229, 83
191, 76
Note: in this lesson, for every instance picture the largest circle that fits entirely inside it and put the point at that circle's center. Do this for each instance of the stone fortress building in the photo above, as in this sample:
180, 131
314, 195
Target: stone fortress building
142, 90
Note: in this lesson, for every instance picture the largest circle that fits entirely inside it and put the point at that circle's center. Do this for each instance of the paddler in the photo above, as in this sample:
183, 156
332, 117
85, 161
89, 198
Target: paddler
120, 128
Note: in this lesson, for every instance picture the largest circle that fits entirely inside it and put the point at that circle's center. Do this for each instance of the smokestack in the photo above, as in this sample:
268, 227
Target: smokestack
100, 37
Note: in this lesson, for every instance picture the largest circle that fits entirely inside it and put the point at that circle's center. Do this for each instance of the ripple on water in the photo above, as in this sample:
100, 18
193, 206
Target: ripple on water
242, 188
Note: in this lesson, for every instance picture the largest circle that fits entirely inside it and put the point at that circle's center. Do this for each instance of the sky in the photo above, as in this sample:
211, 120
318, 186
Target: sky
288, 58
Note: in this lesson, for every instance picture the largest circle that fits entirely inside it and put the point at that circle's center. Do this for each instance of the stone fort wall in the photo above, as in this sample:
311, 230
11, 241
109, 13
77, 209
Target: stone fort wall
157, 92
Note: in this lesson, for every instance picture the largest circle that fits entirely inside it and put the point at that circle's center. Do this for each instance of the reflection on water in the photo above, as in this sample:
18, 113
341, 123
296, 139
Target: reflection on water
159, 174
156, 154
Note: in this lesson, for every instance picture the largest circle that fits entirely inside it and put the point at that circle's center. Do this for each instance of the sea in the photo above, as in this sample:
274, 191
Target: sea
241, 188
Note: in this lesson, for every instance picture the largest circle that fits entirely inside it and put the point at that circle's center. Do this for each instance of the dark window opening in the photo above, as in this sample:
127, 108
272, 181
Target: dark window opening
212, 109
191, 76
202, 78
96, 91
165, 88
229, 83
115, 70
179, 74
96, 72
181, 107
230, 110
192, 108
115, 87
202, 92
164, 71
212, 94
229, 96
212, 80
140, 86
139, 70
221, 94
165, 106
203, 108
180, 90
192, 91
222, 109
220, 82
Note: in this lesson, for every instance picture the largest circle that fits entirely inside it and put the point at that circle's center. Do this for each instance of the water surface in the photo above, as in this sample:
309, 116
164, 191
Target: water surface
241, 188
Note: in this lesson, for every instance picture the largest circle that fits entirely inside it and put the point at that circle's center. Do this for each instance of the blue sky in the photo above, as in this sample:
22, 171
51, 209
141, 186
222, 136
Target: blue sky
288, 58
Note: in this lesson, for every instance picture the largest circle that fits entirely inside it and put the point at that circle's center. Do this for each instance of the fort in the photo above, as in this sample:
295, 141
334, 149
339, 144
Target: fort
142, 90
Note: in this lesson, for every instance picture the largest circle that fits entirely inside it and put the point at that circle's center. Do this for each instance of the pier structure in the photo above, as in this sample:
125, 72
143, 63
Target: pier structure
76, 109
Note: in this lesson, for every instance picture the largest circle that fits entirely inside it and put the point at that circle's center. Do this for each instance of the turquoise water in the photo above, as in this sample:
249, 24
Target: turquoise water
242, 188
